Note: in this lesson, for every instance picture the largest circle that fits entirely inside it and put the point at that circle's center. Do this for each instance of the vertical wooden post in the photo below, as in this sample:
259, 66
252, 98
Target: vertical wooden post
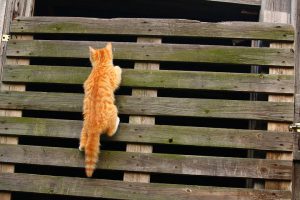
14, 8
254, 124
278, 12
296, 23
142, 177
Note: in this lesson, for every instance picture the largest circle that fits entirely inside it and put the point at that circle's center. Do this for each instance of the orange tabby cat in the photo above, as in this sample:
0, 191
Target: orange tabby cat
99, 110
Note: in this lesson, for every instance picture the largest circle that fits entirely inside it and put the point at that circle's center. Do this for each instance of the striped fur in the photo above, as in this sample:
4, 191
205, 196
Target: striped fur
99, 111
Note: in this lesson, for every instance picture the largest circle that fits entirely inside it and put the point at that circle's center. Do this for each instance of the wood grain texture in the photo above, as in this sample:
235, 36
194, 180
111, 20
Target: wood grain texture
245, 2
7, 167
155, 52
153, 27
278, 12
6, 7
83, 187
133, 147
161, 106
191, 80
296, 180
296, 173
3, 4
296, 22
13, 8
153, 134
150, 162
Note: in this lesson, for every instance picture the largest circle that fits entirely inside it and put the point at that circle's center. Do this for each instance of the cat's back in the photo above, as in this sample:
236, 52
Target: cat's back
98, 83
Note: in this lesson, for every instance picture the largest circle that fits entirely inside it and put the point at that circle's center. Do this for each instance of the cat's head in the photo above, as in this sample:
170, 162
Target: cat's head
101, 57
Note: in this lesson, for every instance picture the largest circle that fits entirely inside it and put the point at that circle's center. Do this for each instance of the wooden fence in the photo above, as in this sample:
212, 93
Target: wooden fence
170, 136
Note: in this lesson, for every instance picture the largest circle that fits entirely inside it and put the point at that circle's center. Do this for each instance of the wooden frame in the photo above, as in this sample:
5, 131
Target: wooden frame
13, 8
140, 122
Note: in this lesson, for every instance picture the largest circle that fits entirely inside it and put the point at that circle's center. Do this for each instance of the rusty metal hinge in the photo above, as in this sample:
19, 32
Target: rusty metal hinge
295, 127
5, 37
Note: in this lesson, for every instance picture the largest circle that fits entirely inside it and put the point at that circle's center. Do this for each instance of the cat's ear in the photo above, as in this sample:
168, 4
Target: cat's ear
92, 50
109, 46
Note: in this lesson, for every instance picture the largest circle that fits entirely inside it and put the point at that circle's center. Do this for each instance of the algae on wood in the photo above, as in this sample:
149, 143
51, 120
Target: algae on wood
156, 79
150, 162
160, 106
155, 52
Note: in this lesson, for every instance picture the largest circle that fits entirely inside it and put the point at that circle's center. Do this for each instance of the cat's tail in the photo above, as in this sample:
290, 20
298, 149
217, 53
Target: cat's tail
91, 153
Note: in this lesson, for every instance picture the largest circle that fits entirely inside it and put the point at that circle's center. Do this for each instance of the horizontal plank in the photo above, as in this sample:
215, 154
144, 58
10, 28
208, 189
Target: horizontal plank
242, 2
154, 162
152, 27
160, 106
83, 187
153, 134
154, 52
283, 84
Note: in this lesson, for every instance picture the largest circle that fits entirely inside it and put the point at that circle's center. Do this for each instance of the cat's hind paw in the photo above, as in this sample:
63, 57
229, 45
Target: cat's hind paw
112, 130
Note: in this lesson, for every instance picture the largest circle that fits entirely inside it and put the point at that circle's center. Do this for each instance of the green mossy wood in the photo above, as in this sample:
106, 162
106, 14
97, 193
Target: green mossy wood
156, 79
155, 52
160, 106
114, 189
153, 27
154, 134
150, 162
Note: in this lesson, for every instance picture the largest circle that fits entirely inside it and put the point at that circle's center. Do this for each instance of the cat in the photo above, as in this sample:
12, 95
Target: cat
99, 111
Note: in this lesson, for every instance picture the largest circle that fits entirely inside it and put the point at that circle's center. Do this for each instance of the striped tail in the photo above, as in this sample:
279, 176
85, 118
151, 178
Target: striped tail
91, 153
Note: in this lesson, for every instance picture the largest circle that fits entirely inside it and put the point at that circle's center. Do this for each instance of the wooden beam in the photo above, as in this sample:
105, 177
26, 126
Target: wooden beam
151, 106
150, 163
139, 177
114, 189
152, 134
14, 8
296, 23
280, 12
151, 52
242, 82
153, 27
242, 2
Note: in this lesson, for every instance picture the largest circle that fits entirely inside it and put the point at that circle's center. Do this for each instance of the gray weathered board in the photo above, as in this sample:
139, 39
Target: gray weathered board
154, 134
155, 52
114, 189
153, 27
150, 162
160, 106
156, 79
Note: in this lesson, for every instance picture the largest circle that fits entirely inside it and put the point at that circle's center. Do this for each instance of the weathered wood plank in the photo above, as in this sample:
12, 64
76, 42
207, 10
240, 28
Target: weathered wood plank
150, 162
235, 109
156, 79
296, 181
71, 186
153, 27
296, 22
245, 2
278, 12
155, 52
153, 134
13, 8
150, 120
296, 154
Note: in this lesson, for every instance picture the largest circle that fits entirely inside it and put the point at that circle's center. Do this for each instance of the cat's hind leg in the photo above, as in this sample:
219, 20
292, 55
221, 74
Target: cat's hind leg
83, 138
113, 126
